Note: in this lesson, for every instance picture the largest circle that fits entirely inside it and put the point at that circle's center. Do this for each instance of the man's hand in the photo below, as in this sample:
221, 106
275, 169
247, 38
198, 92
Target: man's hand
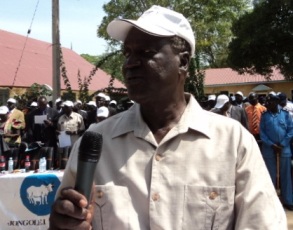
71, 132
277, 148
48, 122
70, 211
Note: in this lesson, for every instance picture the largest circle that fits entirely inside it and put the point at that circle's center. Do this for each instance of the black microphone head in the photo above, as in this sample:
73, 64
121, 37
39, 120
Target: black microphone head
90, 146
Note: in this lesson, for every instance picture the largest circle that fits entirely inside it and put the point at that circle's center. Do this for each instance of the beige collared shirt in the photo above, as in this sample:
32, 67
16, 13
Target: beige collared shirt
207, 173
73, 123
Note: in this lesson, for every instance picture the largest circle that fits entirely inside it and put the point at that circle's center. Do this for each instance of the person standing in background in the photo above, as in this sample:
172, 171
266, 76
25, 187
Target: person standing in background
71, 122
224, 107
254, 112
276, 132
14, 125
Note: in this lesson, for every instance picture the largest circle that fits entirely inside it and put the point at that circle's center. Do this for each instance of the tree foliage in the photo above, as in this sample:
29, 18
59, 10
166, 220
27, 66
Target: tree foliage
212, 21
31, 94
264, 39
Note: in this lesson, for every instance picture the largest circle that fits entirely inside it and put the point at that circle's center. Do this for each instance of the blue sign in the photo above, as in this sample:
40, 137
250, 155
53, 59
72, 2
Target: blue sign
38, 191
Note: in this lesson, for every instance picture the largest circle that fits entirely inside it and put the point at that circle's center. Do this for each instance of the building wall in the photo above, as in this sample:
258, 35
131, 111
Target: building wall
285, 87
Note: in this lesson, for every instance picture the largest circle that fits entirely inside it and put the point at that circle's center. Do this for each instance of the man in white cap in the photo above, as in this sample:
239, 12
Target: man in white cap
15, 124
100, 99
166, 163
102, 113
224, 107
239, 99
211, 101
42, 124
71, 122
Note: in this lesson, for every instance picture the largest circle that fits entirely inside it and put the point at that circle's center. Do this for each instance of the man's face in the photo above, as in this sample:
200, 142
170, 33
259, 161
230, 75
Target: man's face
42, 104
151, 68
67, 110
100, 101
272, 104
252, 99
238, 98
10, 106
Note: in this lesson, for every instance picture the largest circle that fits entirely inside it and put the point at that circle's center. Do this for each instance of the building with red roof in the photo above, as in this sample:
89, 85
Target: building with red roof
25, 61
228, 81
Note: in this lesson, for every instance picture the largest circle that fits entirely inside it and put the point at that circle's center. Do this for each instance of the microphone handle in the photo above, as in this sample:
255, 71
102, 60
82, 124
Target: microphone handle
85, 178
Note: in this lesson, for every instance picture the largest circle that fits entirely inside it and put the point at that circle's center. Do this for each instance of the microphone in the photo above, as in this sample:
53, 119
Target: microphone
88, 156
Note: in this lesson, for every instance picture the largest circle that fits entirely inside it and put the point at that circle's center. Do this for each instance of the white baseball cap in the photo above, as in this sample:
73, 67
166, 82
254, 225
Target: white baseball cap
157, 21
58, 100
221, 101
102, 95
239, 93
107, 98
92, 103
11, 100
67, 103
212, 97
4, 109
34, 104
113, 102
102, 112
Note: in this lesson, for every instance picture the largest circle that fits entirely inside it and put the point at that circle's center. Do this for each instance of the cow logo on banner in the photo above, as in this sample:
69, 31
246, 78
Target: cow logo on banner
37, 193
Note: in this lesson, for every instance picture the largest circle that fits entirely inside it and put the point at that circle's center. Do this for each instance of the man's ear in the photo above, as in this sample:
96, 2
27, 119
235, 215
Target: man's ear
184, 60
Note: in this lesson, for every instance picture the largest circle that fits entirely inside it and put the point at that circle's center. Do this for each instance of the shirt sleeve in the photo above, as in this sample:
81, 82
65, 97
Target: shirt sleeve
289, 134
256, 202
263, 136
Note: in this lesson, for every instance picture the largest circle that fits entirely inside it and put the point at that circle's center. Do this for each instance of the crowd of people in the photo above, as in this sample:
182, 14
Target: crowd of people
42, 124
269, 120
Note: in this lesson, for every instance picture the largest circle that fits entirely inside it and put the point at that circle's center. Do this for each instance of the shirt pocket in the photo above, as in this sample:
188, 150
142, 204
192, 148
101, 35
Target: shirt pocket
208, 207
114, 209
282, 124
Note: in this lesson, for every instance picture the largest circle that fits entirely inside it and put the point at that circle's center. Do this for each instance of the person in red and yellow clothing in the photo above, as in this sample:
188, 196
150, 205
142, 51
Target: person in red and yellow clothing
254, 112
14, 124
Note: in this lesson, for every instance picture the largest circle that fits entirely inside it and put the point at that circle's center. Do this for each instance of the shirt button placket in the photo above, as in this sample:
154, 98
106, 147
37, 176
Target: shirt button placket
155, 188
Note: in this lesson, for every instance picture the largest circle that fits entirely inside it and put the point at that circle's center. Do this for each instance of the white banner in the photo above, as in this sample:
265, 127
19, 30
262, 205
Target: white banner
26, 199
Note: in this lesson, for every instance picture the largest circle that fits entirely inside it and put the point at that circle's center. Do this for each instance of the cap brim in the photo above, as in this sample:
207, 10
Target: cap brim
119, 28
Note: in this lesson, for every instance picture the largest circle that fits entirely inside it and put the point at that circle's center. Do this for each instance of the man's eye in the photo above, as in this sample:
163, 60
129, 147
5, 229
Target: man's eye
149, 52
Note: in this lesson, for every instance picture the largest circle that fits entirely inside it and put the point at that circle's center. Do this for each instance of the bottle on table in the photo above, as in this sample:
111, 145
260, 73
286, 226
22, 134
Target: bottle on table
27, 163
43, 165
2, 163
10, 165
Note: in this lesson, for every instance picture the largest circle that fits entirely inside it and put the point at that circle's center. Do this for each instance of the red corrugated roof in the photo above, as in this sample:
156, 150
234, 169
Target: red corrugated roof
36, 64
222, 76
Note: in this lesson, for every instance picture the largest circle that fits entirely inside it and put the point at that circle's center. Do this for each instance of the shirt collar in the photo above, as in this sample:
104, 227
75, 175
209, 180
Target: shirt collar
194, 117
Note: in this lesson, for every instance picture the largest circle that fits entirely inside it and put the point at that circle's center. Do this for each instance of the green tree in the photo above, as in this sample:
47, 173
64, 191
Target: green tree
264, 39
32, 94
212, 21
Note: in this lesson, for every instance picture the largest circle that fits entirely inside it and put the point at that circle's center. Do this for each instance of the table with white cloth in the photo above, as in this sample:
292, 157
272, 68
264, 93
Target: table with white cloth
26, 199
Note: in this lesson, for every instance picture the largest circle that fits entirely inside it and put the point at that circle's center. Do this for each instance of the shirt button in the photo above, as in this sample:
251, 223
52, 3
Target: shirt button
100, 194
213, 195
158, 157
155, 197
